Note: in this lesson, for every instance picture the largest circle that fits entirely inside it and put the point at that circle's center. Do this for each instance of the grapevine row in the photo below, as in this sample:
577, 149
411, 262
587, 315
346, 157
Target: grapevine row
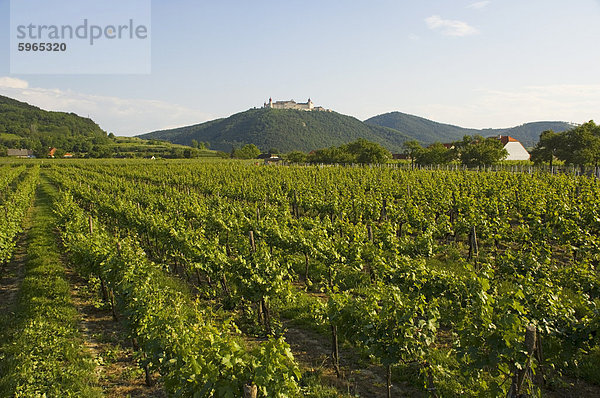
380, 242
195, 353
13, 211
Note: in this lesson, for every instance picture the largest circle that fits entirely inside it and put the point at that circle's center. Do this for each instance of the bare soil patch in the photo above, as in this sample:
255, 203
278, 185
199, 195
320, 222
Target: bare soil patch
359, 378
117, 368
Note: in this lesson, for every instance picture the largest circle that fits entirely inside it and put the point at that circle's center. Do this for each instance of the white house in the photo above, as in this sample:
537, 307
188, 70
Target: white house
20, 153
516, 150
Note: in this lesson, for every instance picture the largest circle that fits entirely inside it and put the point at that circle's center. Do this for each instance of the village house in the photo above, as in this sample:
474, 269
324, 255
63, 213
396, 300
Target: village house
516, 150
20, 153
274, 159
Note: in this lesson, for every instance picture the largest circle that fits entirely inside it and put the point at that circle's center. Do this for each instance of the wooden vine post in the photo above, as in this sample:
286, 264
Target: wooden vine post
250, 391
111, 294
533, 347
383, 216
369, 267
295, 206
389, 380
335, 352
102, 284
430, 382
252, 243
306, 263
136, 347
263, 309
473, 246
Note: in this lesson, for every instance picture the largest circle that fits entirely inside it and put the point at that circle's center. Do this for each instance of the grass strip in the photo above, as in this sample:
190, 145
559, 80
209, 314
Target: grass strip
43, 354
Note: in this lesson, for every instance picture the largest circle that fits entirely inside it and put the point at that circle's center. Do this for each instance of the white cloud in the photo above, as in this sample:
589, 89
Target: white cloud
10, 82
479, 5
565, 102
509, 108
450, 27
118, 115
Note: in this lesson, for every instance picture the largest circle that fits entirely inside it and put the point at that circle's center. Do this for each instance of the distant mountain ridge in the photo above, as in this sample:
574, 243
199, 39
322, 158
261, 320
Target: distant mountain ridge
282, 129
428, 131
288, 130
26, 126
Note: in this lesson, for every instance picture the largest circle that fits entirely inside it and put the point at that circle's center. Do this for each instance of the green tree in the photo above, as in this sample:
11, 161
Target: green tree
84, 146
100, 151
296, 157
479, 151
195, 144
367, 152
359, 151
411, 149
581, 145
177, 153
546, 148
436, 153
331, 155
249, 151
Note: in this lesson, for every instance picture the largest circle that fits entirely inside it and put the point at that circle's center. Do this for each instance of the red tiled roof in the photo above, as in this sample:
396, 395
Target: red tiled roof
505, 139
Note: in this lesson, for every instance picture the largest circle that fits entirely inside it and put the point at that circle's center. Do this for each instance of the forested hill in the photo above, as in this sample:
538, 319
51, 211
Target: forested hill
284, 130
428, 131
29, 127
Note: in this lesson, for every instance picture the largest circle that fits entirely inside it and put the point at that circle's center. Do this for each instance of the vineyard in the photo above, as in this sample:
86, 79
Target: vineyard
440, 283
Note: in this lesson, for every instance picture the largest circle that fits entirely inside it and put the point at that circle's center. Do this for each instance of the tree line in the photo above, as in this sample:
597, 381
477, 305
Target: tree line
471, 151
579, 146
360, 151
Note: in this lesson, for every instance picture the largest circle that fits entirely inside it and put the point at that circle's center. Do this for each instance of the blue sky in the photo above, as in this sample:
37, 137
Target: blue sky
496, 63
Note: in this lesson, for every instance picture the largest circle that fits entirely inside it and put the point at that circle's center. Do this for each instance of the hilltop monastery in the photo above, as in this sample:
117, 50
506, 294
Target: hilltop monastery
299, 106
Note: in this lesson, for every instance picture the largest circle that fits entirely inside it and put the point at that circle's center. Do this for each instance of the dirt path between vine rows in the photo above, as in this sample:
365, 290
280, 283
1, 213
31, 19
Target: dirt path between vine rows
12, 274
117, 369
359, 378
104, 338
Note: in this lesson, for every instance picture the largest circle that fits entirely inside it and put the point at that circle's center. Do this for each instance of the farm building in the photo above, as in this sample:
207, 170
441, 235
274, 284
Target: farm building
516, 150
273, 160
20, 153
